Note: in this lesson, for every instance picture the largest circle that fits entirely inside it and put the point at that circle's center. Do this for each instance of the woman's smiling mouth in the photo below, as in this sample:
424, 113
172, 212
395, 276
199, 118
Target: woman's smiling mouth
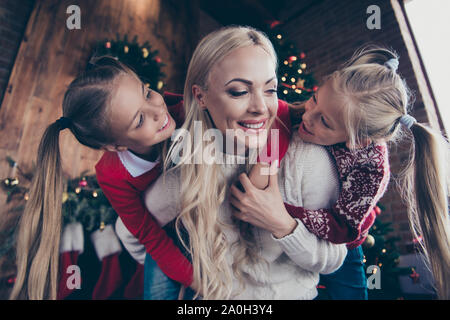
252, 125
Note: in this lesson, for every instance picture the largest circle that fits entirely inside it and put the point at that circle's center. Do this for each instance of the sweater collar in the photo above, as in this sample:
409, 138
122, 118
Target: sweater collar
136, 166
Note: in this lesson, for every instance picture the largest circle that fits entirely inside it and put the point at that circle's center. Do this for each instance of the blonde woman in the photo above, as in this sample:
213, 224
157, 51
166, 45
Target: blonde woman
231, 87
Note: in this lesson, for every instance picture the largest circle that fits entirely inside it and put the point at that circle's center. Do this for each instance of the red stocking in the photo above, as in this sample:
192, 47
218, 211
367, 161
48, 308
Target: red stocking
71, 246
108, 248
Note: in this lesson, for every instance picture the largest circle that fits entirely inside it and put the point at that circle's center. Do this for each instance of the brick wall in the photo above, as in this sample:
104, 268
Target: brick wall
13, 20
328, 32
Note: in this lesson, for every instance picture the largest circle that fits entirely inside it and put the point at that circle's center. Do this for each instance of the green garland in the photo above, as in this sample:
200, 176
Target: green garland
141, 58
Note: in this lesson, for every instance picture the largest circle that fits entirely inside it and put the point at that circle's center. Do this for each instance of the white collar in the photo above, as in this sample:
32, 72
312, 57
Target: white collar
136, 166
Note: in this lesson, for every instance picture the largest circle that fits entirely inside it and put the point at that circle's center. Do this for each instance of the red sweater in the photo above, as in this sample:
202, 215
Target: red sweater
124, 193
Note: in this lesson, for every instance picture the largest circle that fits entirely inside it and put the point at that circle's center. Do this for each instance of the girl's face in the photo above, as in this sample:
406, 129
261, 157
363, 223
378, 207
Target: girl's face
241, 96
139, 116
323, 119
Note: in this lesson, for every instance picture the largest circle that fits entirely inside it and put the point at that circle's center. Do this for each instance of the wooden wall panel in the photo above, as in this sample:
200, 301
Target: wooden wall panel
51, 55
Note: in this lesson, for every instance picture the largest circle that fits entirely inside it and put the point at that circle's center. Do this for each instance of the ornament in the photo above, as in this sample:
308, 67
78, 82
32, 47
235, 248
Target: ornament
302, 55
292, 58
158, 59
315, 88
301, 83
83, 183
145, 52
369, 242
108, 45
274, 23
414, 276
10, 281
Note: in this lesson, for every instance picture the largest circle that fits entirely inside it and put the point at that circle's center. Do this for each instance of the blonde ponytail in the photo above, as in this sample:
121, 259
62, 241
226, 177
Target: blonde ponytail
426, 192
40, 225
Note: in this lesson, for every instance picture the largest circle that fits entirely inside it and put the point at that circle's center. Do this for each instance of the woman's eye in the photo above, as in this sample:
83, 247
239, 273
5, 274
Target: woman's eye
324, 122
272, 91
149, 93
141, 121
236, 93
314, 98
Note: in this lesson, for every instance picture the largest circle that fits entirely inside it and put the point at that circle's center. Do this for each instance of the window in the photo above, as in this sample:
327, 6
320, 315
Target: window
430, 24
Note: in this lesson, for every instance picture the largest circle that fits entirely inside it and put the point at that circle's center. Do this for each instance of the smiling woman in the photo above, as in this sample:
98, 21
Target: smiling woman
230, 86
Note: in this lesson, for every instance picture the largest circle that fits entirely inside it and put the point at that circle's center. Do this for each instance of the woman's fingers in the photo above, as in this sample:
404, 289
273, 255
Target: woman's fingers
235, 192
273, 177
245, 181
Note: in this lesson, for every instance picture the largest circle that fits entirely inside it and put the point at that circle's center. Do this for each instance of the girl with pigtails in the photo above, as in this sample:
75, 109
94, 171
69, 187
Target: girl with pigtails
358, 110
109, 108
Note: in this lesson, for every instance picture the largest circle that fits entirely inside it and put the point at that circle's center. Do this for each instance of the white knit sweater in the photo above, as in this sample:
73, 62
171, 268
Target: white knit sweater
307, 178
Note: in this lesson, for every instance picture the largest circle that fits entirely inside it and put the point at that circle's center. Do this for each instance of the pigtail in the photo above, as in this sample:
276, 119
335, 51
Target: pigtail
426, 191
40, 225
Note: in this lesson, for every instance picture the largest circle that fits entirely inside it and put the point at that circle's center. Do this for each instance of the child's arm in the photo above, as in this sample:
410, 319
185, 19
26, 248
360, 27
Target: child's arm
362, 187
128, 204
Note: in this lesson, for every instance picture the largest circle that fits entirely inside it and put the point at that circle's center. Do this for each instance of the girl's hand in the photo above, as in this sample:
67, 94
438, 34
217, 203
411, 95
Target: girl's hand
262, 208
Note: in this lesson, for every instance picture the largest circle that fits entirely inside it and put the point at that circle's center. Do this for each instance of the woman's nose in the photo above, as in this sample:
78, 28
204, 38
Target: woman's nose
257, 104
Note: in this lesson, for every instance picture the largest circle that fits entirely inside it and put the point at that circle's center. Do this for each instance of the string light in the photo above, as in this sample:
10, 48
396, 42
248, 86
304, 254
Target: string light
300, 71
77, 190
285, 62
126, 49
279, 36
292, 79
95, 194
303, 66
283, 78
384, 250
285, 91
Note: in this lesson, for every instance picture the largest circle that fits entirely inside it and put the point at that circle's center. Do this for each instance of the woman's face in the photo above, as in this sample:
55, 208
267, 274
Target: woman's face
323, 119
241, 96
139, 116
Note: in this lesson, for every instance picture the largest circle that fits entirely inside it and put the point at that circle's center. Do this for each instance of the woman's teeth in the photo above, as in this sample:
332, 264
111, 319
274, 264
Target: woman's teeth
165, 123
252, 126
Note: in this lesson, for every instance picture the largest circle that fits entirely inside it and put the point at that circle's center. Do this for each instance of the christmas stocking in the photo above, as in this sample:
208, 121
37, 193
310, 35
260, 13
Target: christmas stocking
71, 246
135, 287
107, 247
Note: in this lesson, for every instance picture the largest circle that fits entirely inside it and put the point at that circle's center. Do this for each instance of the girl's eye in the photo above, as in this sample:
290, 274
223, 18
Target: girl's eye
314, 98
237, 93
149, 93
324, 122
141, 121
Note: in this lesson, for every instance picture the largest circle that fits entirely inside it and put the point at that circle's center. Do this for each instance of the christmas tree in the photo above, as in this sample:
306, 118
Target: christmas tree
381, 252
141, 58
294, 82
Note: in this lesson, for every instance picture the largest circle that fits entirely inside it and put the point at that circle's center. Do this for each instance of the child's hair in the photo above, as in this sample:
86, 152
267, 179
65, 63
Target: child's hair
377, 100
85, 113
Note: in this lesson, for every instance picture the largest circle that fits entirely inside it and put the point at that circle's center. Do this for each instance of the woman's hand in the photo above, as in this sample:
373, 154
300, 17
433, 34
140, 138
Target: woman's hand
262, 208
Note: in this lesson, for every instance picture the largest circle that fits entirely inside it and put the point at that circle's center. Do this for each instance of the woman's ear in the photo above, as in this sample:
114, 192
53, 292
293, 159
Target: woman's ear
114, 148
199, 95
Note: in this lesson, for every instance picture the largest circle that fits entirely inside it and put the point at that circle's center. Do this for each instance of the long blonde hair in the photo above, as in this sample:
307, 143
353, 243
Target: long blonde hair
85, 103
200, 205
376, 97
